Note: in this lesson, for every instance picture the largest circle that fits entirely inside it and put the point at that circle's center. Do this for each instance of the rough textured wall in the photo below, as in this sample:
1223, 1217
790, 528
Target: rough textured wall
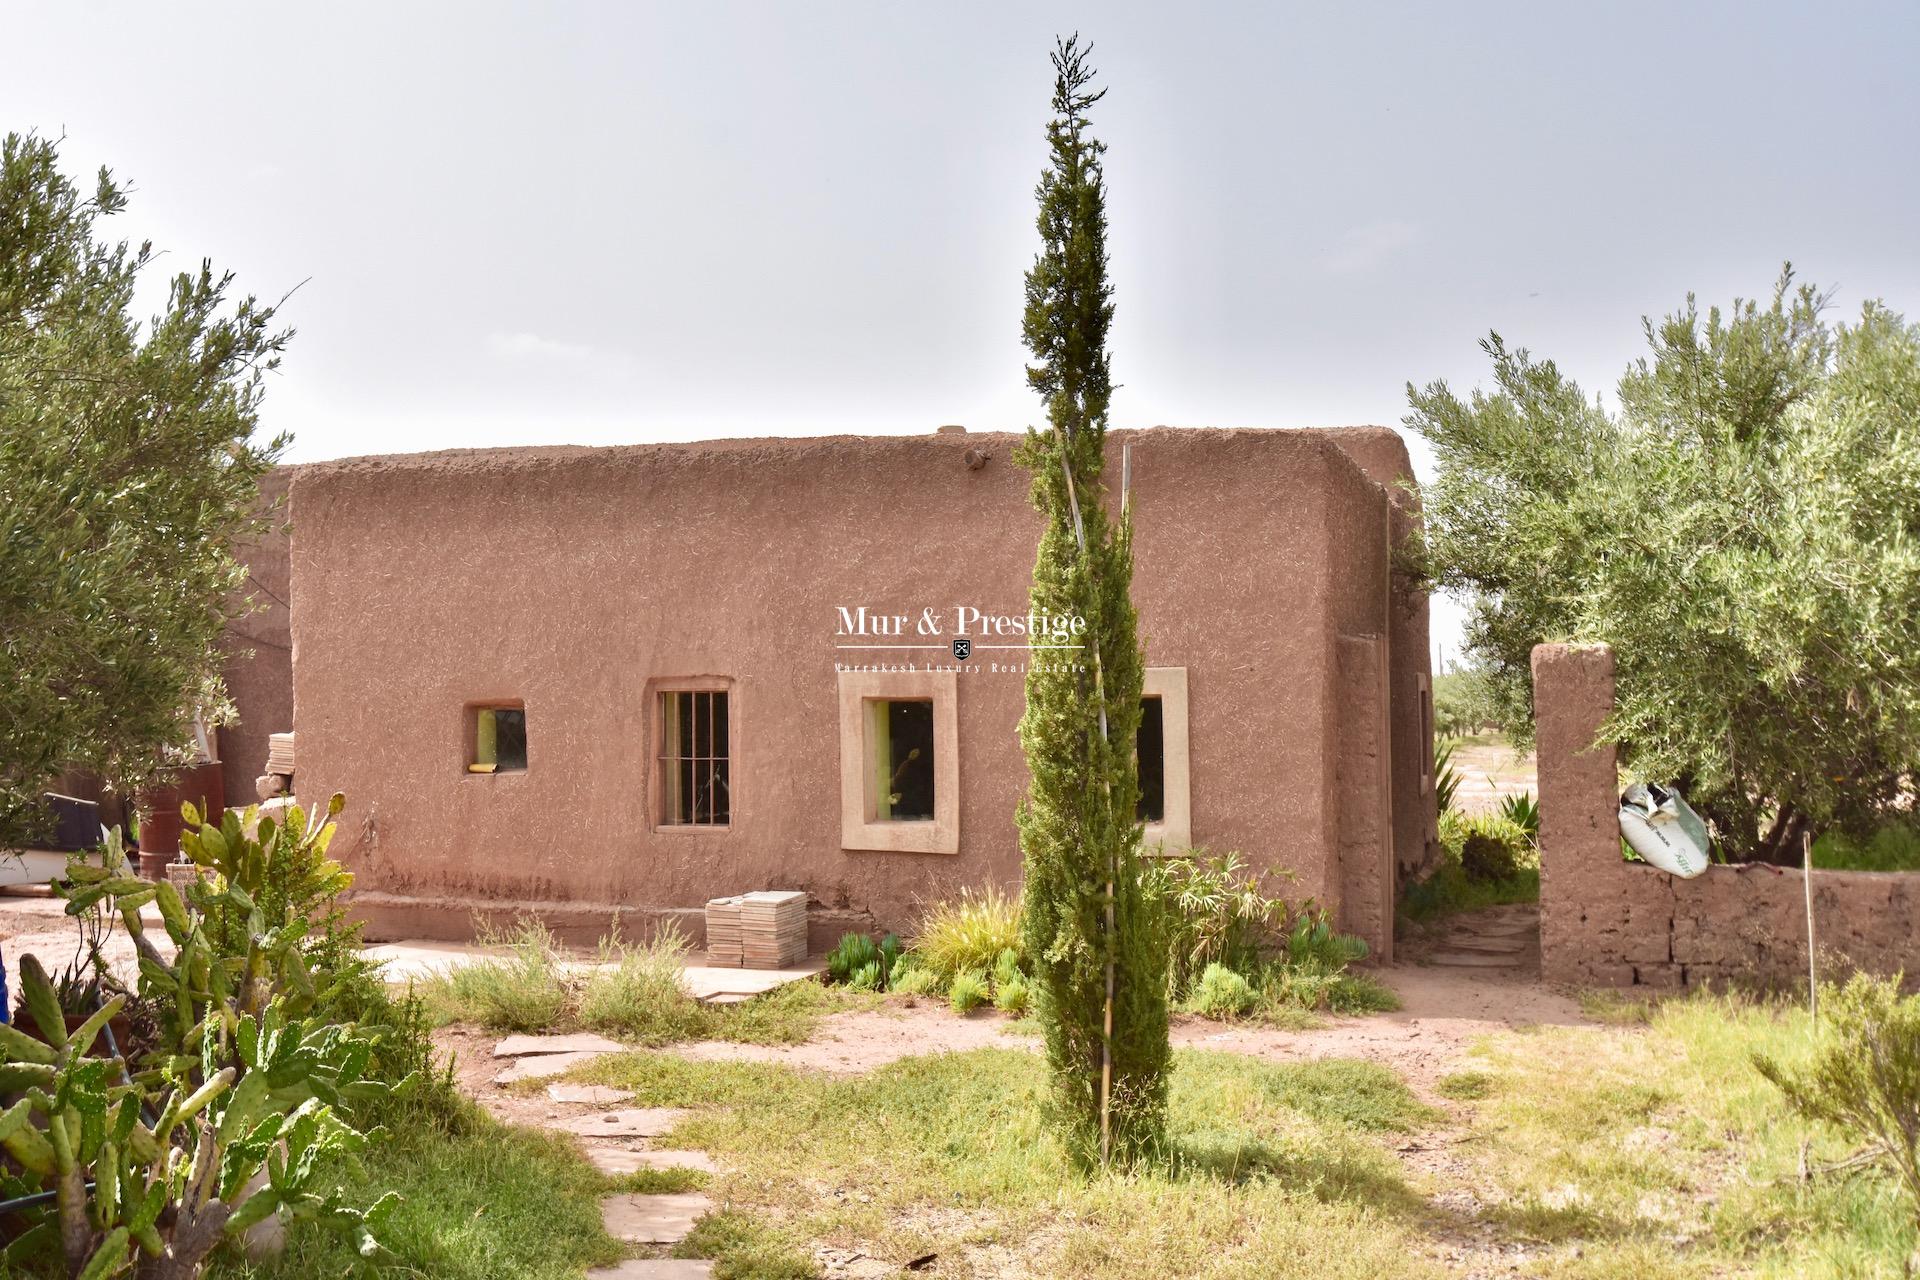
1357, 727
569, 578
259, 648
1608, 922
1363, 793
1382, 455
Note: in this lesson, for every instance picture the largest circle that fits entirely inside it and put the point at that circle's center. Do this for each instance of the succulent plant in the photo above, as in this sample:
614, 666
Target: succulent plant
154, 1164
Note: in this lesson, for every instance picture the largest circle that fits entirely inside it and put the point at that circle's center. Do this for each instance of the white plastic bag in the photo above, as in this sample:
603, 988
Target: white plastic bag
1659, 825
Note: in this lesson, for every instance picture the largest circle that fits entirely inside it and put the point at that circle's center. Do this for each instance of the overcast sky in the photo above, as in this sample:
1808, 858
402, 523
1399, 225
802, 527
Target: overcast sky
601, 223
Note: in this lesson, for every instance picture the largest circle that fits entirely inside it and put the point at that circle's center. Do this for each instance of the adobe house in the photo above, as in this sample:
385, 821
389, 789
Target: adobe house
589, 682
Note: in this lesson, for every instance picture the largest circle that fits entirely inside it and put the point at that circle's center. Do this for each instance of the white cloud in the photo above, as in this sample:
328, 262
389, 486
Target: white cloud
532, 346
1366, 247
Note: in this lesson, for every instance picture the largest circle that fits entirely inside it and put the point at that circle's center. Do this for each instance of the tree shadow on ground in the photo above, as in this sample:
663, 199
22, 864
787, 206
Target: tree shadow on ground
1332, 1171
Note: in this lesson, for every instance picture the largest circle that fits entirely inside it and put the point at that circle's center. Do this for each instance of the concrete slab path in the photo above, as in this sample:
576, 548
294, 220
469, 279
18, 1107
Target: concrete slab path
661, 1219
654, 1269
628, 1122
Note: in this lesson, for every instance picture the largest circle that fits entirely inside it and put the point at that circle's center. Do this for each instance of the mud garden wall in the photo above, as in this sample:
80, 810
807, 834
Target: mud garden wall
1608, 922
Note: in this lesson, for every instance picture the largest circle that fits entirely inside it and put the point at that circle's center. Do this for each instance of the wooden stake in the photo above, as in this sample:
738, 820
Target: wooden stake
1113, 870
1806, 880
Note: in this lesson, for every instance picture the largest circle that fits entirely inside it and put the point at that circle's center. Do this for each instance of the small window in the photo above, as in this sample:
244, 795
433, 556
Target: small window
695, 784
1151, 752
499, 740
900, 742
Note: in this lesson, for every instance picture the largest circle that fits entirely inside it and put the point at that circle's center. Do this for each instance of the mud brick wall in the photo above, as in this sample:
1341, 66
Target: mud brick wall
1608, 922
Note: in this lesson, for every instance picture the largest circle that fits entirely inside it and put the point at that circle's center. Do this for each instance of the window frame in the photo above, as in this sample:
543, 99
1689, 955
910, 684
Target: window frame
470, 737
1173, 834
656, 772
860, 830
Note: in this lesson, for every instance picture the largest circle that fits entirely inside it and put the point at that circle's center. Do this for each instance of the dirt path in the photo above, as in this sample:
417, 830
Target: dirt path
1445, 1010
1490, 770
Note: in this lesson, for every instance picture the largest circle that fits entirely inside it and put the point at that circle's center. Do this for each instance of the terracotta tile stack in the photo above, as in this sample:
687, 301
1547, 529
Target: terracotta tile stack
773, 929
278, 779
723, 933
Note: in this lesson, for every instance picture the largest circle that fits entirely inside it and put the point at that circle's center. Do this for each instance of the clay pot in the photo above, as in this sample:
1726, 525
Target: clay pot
160, 811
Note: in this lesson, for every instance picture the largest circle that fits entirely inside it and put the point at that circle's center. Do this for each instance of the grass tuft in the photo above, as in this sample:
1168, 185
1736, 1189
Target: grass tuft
658, 1182
524, 990
1465, 1086
636, 993
968, 933
746, 1249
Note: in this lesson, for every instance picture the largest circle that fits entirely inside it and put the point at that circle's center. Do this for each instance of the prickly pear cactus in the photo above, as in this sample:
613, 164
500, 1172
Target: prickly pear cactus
151, 1164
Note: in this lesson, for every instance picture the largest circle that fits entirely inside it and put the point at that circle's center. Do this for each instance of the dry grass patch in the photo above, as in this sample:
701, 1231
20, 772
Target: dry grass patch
1666, 1142
634, 993
952, 1154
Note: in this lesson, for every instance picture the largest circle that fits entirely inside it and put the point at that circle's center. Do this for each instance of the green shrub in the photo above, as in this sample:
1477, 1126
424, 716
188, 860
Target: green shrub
1012, 989
1315, 987
1448, 890
1493, 849
1222, 993
1313, 941
1864, 1076
968, 933
1358, 993
1895, 847
1013, 995
1523, 811
400, 1028
910, 979
637, 993
524, 990
862, 964
854, 952
968, 991
1218, 913
1446, 778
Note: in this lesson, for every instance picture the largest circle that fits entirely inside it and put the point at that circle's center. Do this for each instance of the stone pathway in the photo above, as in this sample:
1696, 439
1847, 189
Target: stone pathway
657, 1219
614, 1140
1505, 938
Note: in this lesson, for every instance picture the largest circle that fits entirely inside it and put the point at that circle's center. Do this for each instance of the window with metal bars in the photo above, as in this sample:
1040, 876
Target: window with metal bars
695, 785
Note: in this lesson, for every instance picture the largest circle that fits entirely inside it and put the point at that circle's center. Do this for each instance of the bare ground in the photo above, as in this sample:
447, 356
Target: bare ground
1491, 770
1444, 1011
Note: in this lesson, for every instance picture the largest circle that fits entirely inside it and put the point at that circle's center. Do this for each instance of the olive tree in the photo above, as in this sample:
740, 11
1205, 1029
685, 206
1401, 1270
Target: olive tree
1742, 526
128, 468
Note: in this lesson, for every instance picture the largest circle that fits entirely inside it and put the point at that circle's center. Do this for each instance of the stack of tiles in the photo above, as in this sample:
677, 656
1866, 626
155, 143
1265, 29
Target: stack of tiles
773, 929
723, 933
278, 779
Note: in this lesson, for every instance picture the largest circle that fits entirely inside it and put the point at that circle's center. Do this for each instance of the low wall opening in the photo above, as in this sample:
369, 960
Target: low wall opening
1608, 922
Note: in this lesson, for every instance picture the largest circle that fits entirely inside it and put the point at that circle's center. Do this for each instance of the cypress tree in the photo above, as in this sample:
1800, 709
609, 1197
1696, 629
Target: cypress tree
1091, 933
